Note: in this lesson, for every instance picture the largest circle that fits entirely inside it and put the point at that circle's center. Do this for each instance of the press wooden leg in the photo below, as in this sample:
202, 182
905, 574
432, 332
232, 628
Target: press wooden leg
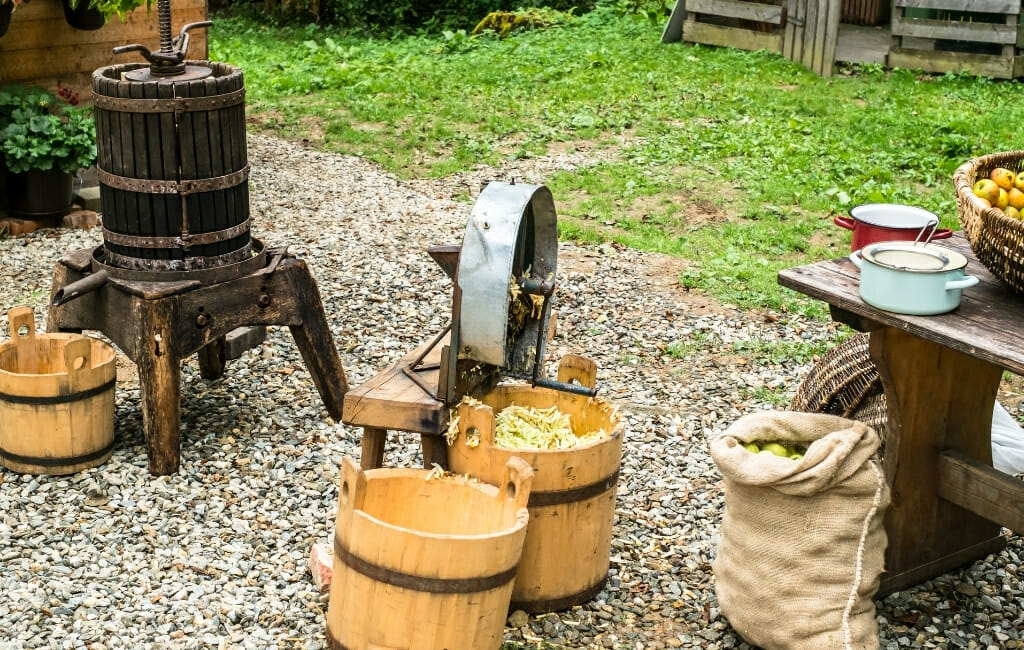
212, 359
373, 443
313, 338
938, 400
159, 364
435, 451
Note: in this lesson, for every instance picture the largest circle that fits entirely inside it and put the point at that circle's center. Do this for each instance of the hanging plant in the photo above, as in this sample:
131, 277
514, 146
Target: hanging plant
107, 8
81, 15
7, 9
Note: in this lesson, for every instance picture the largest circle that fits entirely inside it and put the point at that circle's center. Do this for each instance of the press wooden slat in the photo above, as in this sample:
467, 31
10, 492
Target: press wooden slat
170, 151
219, 218
140, 154
127, 143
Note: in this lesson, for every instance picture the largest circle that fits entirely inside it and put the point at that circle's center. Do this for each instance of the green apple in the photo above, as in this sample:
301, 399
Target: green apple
775, 448
751, 447
987, 189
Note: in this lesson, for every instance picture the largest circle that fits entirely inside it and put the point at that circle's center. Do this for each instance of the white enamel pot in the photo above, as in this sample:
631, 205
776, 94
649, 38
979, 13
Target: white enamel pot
911, 278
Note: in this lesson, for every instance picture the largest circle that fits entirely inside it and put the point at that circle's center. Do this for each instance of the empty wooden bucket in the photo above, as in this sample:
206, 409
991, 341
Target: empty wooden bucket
568, 542
422, 561
56, 399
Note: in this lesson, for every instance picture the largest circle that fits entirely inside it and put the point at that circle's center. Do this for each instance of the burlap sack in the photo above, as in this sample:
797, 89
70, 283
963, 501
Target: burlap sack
802, 543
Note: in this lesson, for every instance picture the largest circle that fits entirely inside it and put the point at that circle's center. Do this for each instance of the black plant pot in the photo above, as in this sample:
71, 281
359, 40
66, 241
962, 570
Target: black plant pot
39, 195
5, 17
82, 17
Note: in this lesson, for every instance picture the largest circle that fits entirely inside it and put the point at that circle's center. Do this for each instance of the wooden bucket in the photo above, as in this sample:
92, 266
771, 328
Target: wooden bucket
422, 561
568, 542
173, 168
56, 399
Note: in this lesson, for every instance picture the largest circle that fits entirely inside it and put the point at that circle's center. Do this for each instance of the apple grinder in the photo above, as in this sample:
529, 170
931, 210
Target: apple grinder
504, 289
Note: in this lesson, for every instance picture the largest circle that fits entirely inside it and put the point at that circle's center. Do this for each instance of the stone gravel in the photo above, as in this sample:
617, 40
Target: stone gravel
216, 556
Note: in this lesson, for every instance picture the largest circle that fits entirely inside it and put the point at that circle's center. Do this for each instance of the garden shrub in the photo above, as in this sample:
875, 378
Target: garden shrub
413, 14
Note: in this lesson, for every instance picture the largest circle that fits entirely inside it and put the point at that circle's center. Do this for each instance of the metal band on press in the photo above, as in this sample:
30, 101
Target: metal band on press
168, 105
182, 188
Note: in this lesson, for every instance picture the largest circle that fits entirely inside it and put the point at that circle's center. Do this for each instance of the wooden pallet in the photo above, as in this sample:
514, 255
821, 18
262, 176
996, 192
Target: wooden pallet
982, 37
804, 31
735, 23
865, 12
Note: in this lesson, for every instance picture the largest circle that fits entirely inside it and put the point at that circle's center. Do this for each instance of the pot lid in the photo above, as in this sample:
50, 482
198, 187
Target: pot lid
916, 257
894, 215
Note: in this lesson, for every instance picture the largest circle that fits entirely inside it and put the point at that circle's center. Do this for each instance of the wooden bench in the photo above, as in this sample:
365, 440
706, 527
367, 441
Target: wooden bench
391, 400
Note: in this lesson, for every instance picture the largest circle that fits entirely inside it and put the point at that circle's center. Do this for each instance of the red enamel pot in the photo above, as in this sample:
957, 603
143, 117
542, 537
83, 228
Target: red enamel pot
876, 222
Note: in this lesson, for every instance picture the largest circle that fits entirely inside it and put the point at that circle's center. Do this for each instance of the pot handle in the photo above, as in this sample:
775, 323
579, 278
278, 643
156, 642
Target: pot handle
942, 233
844, 222
968, 281
857, 259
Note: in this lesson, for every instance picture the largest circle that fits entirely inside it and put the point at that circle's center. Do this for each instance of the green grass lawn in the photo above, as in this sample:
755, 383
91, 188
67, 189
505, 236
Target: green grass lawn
735, 161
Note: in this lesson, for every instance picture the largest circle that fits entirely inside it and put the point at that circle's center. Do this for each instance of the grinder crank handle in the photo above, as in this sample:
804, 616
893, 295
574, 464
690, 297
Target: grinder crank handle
565, 387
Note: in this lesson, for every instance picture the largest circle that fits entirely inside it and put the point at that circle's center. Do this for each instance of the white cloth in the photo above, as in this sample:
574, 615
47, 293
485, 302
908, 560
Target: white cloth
1007, 442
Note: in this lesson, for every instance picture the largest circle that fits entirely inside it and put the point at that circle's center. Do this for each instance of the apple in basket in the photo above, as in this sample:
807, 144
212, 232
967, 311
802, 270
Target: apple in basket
1002, 177
987, 189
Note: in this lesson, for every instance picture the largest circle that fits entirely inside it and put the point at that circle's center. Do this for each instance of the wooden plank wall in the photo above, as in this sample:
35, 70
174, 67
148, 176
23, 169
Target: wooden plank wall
746, 25
811, 34
914, 39
41, 48
865, 12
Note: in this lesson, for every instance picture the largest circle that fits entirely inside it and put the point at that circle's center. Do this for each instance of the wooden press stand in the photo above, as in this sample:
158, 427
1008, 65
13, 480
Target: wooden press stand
157, 324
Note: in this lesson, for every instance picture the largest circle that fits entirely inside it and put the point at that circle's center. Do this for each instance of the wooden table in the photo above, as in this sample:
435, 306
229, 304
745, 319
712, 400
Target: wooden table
941, 375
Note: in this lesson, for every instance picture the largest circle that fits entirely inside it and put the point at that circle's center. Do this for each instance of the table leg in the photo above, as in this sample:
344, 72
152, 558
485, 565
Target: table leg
159, 364
938, 400
373, 443
435, 451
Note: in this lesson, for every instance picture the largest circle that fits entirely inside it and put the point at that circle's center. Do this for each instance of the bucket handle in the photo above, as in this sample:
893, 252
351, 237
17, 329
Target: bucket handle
575, 368
352, 488
476, 420
516, 483
78, 360
22, 318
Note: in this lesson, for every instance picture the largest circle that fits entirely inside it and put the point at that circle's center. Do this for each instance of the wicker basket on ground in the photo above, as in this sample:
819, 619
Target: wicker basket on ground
997, 240
845, 382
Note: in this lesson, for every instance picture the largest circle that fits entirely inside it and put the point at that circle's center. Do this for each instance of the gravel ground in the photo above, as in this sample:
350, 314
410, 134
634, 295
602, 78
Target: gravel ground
215, 556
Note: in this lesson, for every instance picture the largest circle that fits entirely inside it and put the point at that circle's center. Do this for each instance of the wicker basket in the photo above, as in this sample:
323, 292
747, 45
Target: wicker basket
845, 382
997, 240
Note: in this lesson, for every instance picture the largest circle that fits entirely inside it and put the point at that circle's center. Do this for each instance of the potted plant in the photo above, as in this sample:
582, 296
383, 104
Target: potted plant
44, 142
